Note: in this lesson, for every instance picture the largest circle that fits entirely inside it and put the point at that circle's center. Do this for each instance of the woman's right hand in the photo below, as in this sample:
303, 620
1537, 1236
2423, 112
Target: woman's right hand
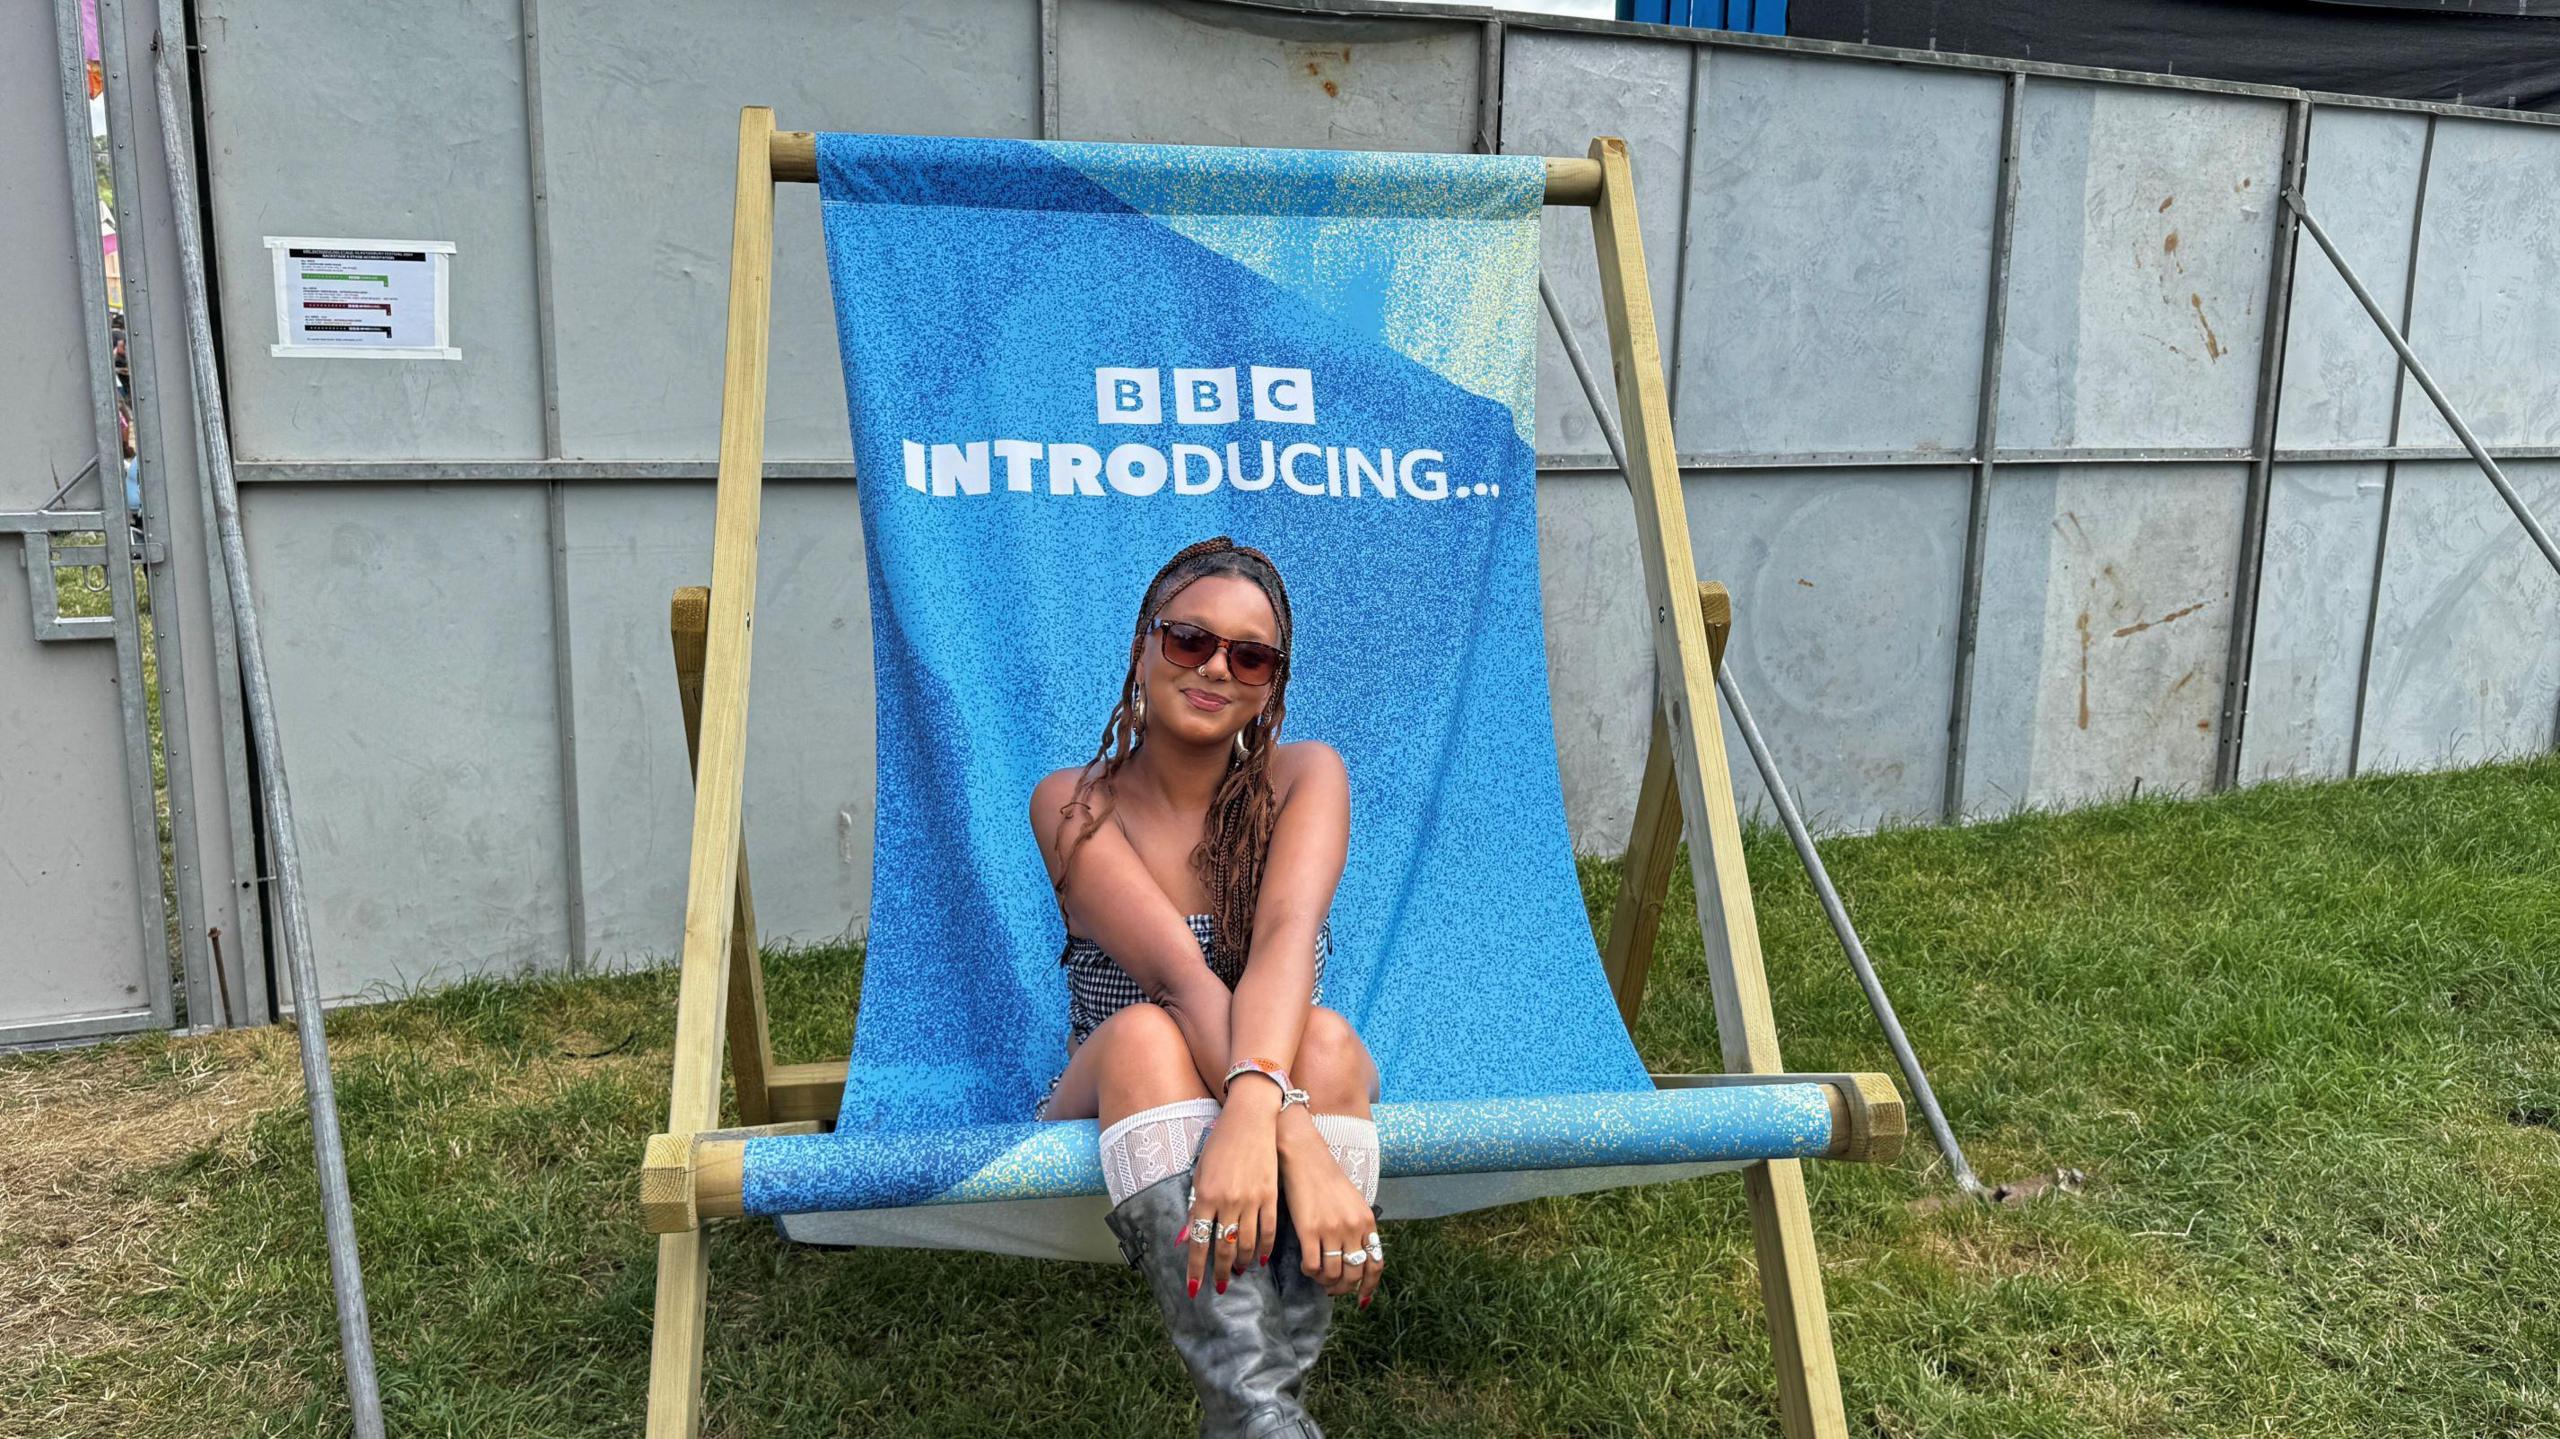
1236, 1180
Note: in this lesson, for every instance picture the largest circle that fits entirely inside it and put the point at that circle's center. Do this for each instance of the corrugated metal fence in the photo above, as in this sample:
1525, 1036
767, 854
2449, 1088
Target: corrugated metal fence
1979, 562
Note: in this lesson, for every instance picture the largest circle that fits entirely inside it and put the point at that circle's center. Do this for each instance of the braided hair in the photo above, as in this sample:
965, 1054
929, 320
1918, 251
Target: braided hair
1235, 839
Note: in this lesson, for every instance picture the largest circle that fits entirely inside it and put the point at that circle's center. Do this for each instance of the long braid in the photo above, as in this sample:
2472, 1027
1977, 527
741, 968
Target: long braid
1235, 840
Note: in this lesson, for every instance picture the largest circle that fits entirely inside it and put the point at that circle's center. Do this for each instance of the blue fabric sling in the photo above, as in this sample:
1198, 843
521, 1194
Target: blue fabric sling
1064, 363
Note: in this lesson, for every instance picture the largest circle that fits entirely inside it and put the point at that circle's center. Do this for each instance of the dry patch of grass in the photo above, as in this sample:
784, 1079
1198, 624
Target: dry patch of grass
75, 1233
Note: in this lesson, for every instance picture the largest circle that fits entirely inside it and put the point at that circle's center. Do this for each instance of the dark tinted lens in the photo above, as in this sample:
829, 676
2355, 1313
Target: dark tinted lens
1189, 645
1252, 663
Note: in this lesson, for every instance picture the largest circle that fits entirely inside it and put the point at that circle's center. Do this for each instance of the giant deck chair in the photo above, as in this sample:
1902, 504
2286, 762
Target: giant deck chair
1013, 292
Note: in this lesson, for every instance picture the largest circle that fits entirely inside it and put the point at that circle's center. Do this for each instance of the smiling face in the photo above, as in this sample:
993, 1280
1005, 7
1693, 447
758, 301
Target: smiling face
1207, 706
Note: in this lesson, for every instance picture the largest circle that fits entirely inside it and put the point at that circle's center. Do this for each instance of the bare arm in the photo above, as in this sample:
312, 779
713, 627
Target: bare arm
1308, 843
1112, 900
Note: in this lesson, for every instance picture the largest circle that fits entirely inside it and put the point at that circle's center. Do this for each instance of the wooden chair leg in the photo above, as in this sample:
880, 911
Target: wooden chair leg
750, 1031
1627, 957
675, 1343
1790, 1274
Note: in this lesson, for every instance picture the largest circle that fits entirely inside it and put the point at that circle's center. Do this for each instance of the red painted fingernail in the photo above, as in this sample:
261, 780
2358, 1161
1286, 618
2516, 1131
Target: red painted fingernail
1195, 1288
1222, 1284
1364, 1301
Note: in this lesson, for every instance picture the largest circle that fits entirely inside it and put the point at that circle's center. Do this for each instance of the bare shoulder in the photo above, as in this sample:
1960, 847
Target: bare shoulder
1309, 764
1049, 799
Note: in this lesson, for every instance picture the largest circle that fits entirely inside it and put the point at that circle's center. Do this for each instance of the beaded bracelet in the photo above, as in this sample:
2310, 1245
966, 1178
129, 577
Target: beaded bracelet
1289, 1093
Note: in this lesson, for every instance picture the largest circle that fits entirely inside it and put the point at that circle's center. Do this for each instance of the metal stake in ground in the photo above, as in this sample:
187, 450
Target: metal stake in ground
346, 1273
1881, 1006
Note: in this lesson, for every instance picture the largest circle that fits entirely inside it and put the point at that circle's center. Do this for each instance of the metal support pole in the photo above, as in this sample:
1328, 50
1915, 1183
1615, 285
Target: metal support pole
2471, 442
1831, 905
1838, 914
346, 1273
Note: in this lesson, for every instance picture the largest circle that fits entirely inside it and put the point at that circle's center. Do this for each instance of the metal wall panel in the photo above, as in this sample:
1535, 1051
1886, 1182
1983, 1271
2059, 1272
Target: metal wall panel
2486, 319
639, 113
810, 716
1840, 254
1845, 587
45, 431
374, 122
2466, 657
411, 657
2339, 373
1181, 72
72, 889
1560, 91
2314, 595
2106, 610
2137, 305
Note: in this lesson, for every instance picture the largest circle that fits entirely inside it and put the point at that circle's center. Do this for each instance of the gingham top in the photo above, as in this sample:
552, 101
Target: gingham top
1098, 988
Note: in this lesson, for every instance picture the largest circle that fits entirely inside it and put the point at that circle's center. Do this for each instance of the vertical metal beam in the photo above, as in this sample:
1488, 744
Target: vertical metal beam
209, 1003
1674, 345
2262, 446
1986, 440
1049, 70
2391, 468
337, 1209
555, 498
141, 809
243, 952
1489, 91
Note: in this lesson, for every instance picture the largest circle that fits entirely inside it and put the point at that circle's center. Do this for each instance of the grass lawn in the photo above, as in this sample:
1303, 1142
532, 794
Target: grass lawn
2305, 1041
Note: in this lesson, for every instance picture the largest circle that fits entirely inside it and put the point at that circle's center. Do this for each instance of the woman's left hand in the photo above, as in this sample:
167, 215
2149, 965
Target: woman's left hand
1333, 1222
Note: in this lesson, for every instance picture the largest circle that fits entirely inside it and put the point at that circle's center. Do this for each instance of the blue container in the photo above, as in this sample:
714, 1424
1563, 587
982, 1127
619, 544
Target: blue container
1757, 17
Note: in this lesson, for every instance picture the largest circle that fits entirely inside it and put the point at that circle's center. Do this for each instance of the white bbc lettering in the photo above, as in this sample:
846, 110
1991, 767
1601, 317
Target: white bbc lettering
1126, 397
1284, 396
1204, 397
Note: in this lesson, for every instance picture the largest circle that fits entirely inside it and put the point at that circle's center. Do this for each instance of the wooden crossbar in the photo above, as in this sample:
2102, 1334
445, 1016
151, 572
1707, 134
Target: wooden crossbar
720, 991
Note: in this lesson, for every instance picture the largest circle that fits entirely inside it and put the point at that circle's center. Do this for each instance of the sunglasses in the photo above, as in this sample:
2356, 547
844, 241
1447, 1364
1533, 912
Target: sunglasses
1189, 646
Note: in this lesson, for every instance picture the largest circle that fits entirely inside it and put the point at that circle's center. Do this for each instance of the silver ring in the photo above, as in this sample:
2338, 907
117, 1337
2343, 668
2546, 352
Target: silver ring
1333, 1254
1356, 1256
1199, 1232
1227, 1232
1377, 1254
1372, 1240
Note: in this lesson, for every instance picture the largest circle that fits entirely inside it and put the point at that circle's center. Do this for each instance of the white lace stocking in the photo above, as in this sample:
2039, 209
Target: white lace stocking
1154, 1143
1354, 1143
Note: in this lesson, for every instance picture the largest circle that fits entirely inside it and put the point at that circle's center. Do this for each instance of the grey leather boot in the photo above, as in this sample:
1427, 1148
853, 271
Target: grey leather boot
1248, 1349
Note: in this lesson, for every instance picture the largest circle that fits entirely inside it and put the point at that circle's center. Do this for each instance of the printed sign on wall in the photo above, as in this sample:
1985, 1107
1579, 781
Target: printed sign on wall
362, 299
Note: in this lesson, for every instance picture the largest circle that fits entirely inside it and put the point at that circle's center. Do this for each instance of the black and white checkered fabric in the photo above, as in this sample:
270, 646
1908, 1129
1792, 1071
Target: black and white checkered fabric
1098, 988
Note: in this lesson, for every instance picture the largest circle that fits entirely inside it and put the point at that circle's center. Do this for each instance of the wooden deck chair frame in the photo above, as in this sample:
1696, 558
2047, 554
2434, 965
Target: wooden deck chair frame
721, 991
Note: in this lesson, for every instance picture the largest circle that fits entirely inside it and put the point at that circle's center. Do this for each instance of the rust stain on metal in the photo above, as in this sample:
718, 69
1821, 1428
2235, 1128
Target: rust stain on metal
2212, 347
2165, 202
2179, 614
1808, 584
2084, 669
2182, 681
2170, 246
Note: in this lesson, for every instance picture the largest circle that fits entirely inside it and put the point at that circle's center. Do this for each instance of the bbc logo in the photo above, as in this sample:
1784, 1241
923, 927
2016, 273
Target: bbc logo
1281, 396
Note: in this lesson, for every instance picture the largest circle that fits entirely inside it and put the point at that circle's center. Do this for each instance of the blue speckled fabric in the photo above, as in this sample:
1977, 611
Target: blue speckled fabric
1005, 307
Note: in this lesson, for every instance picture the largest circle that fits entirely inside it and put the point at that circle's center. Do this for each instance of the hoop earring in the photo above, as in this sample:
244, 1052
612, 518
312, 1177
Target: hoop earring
1138, 706
1241, 751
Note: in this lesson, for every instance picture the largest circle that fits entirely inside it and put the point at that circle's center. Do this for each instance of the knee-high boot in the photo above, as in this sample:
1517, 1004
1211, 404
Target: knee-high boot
1248, 1349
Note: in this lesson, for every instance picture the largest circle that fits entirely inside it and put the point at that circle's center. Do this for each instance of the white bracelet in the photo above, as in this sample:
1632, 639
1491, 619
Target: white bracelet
1288, 1096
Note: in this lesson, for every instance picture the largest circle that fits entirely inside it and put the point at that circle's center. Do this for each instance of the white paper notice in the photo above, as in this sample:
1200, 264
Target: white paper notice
362, 299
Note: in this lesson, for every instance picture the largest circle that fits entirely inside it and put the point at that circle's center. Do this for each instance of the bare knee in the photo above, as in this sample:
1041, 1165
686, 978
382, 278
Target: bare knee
1144, 1061
1333, 1064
